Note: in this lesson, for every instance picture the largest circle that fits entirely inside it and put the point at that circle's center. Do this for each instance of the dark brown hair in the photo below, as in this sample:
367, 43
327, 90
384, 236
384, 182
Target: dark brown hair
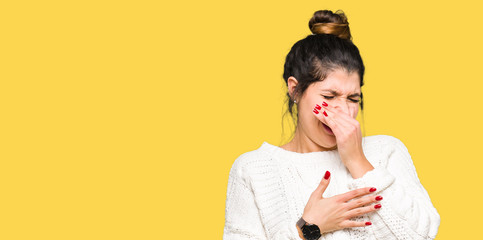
328, 48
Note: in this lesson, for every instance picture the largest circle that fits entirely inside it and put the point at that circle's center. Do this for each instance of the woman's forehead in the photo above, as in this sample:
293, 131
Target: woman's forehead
341, 85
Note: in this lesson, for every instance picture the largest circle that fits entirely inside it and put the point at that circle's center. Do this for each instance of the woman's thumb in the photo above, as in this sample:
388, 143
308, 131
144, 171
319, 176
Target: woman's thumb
323, 185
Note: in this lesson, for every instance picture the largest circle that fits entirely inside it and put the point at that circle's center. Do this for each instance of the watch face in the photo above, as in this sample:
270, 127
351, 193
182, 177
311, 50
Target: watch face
311, 232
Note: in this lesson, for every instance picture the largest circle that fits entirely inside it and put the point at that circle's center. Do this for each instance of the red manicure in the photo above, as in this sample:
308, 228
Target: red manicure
368, 223
327, 175
378, 198
325, 113
377, 206
325, 104
372, 189
317, 106
316, 112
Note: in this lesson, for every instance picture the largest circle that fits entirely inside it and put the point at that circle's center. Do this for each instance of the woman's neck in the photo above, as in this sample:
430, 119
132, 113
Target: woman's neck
302, 144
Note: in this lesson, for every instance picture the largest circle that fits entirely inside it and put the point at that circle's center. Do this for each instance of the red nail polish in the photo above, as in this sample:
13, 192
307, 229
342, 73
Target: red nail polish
325, 104
325, 113
368, 223
377, 206
316, 112
378, 198
372, 190
327, 175
317, 106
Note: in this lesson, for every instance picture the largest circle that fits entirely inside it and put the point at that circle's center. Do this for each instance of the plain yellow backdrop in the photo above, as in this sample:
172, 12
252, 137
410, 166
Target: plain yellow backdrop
121, 119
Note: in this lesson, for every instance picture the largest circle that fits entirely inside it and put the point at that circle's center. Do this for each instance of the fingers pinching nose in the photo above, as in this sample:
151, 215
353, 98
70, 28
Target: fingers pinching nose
318, 107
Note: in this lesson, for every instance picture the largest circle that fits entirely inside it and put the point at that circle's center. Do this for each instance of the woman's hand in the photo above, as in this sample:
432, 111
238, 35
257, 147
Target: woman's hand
333, 213
346, 129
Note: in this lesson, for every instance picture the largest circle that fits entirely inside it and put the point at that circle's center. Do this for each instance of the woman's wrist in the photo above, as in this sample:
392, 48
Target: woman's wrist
359, 167
301, 235
310, 230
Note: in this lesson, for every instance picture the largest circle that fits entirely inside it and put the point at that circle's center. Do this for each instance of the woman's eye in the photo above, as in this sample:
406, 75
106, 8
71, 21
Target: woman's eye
330, 97
352, 100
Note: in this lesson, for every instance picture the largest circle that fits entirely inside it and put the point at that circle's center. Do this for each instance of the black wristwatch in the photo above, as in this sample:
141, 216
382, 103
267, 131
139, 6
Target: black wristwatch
310, 231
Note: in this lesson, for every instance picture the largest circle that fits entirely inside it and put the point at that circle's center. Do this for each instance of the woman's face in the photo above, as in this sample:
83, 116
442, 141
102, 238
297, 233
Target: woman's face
341, 90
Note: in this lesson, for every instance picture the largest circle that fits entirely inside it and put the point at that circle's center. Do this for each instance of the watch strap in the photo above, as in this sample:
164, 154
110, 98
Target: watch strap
301, 222
309, 231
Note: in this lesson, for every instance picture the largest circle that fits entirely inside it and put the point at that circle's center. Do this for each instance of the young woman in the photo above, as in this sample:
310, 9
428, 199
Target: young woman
365, 187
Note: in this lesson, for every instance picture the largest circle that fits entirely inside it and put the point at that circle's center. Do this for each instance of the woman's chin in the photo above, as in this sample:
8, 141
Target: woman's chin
331, 144
328, 142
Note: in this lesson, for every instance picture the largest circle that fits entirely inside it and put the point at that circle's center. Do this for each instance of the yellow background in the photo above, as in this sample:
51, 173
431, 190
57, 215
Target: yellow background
121, 119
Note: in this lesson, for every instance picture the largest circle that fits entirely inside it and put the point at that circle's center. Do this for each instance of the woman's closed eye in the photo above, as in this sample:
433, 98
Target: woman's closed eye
331, 97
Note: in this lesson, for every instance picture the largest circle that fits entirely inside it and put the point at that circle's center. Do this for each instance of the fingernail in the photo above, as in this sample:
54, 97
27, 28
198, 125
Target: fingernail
368, 223
317, 106
378, 198
325, 104
327, 175
377, 206
372, 189
316, 112
325, 113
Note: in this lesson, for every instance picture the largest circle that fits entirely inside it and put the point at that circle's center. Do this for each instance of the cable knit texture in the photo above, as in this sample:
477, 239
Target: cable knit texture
269, 187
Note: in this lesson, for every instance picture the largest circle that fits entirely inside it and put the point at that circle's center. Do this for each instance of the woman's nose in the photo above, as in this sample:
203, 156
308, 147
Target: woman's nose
342, 105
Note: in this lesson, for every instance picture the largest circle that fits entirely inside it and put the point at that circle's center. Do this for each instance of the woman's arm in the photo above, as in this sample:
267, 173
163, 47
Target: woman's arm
407, 211
242, 216
242, 219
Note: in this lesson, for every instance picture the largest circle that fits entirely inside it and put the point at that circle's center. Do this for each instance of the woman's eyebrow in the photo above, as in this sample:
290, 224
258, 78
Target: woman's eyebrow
337, 93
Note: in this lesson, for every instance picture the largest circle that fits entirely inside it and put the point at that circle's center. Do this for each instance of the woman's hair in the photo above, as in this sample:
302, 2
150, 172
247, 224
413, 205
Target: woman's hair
329, 48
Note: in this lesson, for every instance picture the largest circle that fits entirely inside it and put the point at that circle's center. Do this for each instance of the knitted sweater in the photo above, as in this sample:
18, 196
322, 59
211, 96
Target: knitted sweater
269, 187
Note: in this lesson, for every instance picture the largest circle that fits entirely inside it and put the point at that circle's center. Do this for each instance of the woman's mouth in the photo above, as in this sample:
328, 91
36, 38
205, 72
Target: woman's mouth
327, 129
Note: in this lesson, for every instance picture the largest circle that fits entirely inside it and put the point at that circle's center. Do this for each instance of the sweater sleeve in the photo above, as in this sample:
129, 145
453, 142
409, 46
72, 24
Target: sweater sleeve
243, 219
407, 211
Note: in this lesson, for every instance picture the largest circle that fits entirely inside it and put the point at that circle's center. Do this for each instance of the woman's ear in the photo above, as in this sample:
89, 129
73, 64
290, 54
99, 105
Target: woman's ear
291, 86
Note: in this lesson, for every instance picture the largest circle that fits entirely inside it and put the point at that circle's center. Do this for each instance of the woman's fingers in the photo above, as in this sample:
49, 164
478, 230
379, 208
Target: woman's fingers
329, 121
355, 193
338, 113
339, 119
363, 210
349, 223
359, 202
322, 186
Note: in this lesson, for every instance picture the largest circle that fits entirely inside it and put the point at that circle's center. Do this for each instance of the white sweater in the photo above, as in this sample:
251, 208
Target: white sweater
269, 187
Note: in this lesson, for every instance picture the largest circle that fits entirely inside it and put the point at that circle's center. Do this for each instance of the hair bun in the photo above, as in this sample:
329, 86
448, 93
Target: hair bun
327, 22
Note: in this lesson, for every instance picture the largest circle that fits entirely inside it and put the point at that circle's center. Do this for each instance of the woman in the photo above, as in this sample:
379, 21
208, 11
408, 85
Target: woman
365, 188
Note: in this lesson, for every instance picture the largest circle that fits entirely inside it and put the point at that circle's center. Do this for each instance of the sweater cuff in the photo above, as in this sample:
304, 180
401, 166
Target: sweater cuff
379, 177
293, 231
